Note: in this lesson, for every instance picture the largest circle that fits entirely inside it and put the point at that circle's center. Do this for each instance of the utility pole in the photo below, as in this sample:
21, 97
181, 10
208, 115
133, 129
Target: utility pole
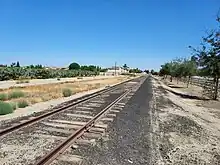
115, 68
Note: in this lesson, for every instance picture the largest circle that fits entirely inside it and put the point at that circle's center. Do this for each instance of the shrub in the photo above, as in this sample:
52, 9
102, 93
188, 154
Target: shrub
26, 81
5, 108
13, 105
22, 104
3, 96
15, 94
67, 92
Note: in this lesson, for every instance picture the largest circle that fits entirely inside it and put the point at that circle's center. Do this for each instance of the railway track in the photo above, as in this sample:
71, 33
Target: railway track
12, 126
49, 137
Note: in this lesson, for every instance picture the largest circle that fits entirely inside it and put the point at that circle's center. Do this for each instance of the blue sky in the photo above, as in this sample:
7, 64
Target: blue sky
140, 33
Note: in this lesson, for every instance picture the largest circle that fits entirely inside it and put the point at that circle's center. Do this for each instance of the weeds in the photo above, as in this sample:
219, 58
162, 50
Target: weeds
13, 105
22, 104
16, 94
67, 92
3, 96
5, 108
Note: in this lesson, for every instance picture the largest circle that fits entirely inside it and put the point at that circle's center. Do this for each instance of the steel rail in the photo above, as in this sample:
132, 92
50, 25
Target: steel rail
43, 116
51, 156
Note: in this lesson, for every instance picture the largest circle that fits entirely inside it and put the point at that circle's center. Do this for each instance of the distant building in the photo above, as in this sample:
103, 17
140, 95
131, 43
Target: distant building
115, 71
57, 68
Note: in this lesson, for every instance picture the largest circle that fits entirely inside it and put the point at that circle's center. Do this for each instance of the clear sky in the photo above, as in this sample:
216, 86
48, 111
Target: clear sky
140, 33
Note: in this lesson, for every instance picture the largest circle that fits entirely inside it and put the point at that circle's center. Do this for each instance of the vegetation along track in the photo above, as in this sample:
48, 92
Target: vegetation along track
28, 143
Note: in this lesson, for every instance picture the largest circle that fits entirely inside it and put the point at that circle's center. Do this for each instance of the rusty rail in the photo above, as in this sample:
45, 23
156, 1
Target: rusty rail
51, 156
43, 116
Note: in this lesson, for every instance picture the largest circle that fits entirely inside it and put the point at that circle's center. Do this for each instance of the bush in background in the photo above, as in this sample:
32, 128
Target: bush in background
15, 73
16, 94
5, 108
22, 104
3, 96
67, 92
13, 105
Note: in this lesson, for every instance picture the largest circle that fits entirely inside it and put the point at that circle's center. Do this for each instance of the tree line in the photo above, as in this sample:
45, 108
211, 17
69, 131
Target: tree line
205, 61
15, 71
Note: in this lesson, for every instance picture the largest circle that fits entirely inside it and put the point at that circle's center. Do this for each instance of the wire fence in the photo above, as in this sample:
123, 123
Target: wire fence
206, 83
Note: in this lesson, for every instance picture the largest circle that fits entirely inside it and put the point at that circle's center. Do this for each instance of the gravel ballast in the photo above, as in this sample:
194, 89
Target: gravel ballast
28, 144
157, 127
126, 140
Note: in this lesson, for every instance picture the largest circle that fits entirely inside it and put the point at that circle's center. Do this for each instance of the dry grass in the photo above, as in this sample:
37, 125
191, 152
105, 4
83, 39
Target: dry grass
42, 93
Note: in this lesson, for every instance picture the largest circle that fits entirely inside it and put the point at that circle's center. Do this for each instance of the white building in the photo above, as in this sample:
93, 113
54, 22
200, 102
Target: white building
115, 71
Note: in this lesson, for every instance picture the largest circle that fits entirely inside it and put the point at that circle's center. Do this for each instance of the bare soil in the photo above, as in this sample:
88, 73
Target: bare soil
192, 90
185, 133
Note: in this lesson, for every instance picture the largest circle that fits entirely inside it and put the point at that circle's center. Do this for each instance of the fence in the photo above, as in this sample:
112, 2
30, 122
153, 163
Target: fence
206, 83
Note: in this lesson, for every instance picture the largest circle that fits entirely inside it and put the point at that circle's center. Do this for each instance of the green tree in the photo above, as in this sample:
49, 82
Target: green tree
190, 69
125, 67
165, 70
152, 71
208, 56
103, 70
147, 71
17, 64
136, 70
13, 64
74, 66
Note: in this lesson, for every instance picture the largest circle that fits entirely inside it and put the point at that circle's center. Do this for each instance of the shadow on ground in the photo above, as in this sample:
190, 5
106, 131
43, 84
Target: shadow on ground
186, 96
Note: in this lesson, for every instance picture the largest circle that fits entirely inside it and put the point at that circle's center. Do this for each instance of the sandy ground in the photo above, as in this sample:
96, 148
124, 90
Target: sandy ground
12, 83
181, 86
54, 102
183, 132
192, 90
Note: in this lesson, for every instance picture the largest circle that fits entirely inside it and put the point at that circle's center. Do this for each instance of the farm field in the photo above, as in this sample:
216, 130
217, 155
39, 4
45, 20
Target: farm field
32, 94
21, 83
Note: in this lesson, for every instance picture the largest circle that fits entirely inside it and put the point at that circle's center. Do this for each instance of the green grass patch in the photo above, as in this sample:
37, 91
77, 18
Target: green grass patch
22, 104
5, 108
15, 94
3, 96
67, 92
13, 105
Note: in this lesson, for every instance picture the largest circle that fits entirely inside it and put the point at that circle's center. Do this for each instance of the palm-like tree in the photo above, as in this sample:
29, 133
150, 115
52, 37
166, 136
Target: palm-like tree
125, 67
